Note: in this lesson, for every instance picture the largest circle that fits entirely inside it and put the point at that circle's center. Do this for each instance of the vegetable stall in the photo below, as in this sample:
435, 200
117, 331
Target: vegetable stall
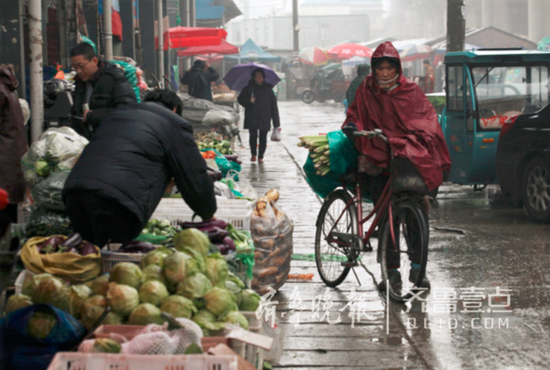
180, 288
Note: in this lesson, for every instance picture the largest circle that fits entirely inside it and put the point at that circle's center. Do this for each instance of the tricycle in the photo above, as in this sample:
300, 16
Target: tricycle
329, 83
484, 89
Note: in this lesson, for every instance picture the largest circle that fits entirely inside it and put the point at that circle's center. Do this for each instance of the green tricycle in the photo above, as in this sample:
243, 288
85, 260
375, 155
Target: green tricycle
485, 88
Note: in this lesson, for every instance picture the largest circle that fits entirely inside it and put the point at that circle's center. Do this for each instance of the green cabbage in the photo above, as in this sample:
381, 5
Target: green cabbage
41, 324
219, 301
206, 320
216, 269
145, 314
48, 289
79, 294
113, 319
153, 292
235, 289
193, 287
152, 273
175, 267
192, 238
178, 307
156, 257
100, 285
235, 317
234, 278
92, 309
106, 345
250, 300
17, 302
198, 259
122, 299
126, 273
42, 167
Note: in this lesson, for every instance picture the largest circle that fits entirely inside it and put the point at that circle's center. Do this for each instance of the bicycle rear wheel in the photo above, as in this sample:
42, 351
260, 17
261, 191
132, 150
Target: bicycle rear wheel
411, 247
329, 256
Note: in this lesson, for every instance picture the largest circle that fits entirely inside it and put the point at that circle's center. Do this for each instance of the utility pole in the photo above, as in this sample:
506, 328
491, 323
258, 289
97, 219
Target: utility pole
160, 31
108, 30
456, 25
296, 30
37, 79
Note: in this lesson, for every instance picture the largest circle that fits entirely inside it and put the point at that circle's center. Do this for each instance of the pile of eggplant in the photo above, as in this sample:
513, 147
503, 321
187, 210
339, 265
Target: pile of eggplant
137, 247
217, 233
61, 244
233, 158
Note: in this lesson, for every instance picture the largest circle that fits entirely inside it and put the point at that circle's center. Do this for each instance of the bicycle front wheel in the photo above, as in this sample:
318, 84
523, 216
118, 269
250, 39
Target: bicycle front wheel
403, 264
329, 255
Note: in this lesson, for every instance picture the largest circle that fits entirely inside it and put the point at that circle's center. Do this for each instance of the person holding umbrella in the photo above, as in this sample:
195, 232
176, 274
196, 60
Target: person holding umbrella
260, 105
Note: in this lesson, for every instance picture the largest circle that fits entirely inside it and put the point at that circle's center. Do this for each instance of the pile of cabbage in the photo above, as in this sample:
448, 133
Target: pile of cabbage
186, 282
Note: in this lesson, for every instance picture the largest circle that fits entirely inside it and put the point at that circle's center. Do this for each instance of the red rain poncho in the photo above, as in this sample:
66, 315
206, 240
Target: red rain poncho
406, 117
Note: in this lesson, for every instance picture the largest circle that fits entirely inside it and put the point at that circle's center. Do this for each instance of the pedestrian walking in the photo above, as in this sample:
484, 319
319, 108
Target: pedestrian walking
100, 88
362, 71
429, 78
199, 79
123, 172
13, 144
260, 105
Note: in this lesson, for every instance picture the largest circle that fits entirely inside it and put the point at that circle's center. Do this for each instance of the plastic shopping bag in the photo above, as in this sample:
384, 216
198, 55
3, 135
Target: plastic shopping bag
276, 135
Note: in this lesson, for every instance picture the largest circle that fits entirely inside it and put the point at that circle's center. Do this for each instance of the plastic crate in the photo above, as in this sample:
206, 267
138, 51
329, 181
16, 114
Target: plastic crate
100, 361
109, 259
237, 212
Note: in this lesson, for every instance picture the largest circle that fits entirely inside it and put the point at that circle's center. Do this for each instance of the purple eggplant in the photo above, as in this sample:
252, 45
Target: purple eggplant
205, 224
222, 247
137, 247
230, 243
87, 248
51, 245
215, 234
232, 157
72, 241
215, 175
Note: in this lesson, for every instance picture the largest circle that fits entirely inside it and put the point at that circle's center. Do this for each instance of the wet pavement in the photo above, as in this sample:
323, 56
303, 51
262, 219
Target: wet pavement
484, 257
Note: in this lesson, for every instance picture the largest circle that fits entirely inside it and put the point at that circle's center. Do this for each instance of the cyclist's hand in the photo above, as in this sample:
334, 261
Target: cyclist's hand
349, 129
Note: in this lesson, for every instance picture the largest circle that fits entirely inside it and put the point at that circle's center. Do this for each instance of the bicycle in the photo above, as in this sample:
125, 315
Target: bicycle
340, 236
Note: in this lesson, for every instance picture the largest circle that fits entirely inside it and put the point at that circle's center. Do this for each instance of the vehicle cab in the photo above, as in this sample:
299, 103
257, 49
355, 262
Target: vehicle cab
485, 88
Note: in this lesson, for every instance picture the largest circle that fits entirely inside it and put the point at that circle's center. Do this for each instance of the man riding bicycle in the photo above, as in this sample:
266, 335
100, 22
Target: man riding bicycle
389, 101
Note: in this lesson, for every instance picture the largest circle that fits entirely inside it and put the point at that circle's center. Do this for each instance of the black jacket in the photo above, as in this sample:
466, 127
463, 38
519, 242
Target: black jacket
199, 81
258, 115
111, 91
134, 154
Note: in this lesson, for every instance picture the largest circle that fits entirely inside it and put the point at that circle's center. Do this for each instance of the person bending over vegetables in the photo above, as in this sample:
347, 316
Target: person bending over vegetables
122, 174
389, 101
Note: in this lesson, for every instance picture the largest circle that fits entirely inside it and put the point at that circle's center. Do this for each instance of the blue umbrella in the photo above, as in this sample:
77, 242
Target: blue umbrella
240, 75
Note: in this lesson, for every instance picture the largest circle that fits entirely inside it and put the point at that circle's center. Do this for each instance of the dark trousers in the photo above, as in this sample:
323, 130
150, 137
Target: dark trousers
253, 140
376, 185
100, 220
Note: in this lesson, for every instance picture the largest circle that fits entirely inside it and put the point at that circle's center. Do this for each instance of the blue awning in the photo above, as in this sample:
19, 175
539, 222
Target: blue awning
250, 52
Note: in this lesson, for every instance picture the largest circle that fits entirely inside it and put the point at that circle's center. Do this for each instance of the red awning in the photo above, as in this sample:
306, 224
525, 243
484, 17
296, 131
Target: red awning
182, 37
223, 48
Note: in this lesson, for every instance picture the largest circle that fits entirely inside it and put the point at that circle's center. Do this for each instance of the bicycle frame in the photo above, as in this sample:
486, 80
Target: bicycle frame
382, 207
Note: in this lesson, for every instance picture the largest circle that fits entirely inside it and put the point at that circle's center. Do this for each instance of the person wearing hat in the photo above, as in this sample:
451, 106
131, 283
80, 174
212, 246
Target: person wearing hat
199, 78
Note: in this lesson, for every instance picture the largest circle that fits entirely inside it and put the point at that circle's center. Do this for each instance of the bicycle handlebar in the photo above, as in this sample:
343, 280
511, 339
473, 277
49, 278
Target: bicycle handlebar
376, 133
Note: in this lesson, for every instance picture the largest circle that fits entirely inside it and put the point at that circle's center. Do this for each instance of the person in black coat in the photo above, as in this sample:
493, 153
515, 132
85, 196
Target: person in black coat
123, 172
199, 80
260, 105
101, 85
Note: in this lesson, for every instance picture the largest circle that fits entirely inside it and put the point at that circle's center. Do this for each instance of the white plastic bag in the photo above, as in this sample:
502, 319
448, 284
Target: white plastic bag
276, 135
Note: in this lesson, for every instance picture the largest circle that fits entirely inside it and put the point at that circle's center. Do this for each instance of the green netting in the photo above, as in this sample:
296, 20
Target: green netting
150, 238
343, 157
